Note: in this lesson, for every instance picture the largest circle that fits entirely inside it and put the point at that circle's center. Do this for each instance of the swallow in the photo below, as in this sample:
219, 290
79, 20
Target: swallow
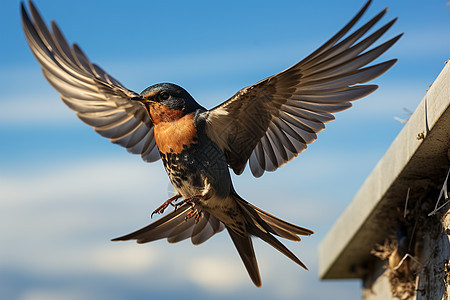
264, 125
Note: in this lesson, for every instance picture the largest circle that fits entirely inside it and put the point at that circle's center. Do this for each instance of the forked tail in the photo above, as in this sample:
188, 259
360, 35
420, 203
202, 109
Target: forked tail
263, 225
175, 226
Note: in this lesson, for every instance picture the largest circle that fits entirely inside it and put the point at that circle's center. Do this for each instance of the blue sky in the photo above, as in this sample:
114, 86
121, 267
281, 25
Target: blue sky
65, 191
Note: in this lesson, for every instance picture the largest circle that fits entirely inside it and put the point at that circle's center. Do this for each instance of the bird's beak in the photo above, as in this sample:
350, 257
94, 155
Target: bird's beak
146, 103
143, 100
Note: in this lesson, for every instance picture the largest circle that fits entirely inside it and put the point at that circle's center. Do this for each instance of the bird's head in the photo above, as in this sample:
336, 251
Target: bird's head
167, 102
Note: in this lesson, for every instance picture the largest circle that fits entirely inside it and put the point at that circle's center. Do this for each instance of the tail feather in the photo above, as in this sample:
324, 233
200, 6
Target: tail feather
257, 219
175, 228
204, 229
261, 224
183, 233
273, 224
244, 247
201, 225
159, 228
280, 224
274, 242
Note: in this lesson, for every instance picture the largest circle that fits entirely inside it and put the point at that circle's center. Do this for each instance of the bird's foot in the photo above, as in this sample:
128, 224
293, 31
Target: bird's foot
194, 213
163, 207
189, 201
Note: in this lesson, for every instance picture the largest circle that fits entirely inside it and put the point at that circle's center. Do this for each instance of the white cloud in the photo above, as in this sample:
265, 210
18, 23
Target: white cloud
46, 211
57, 222
216, 273
85, 182
122, 259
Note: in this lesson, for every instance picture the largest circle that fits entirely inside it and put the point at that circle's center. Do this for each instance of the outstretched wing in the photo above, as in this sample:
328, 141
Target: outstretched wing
99, 99
176, 228
272, 121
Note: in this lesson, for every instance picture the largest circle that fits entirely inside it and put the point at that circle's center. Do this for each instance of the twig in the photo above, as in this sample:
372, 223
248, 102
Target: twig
443, 192
403, 259
406, 203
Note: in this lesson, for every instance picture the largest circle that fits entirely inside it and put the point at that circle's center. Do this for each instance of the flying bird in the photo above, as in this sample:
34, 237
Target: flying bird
265, 125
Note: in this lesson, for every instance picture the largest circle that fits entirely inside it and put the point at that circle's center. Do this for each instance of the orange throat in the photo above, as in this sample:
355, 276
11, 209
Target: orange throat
161, 113
175, 135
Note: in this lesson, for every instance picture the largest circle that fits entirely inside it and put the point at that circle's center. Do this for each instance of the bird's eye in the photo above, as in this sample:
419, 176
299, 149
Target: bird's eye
163, 96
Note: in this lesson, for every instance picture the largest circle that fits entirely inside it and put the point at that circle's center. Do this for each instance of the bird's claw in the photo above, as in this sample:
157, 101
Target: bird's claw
163, 207
193, 213
189, 201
